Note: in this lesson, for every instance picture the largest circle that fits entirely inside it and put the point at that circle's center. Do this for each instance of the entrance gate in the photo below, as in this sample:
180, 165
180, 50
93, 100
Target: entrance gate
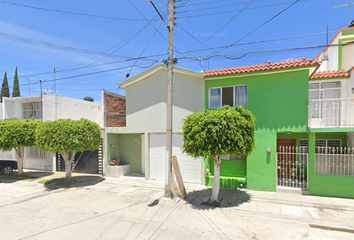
291, 165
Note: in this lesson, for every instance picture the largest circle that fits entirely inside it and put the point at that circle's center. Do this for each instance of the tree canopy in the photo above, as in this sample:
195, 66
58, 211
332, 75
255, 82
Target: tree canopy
218, 132
5, 92
222, 131
16, 86
17, 133
66, 135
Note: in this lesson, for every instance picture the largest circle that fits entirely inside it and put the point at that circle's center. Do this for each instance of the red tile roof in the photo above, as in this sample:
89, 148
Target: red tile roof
330, 74
262, 67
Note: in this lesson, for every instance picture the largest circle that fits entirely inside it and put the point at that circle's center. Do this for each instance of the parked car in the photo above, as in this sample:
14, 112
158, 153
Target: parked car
7, 166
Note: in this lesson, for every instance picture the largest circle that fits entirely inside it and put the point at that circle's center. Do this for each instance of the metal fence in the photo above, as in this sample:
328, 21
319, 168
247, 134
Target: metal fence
331, 113
334, 161
292, 167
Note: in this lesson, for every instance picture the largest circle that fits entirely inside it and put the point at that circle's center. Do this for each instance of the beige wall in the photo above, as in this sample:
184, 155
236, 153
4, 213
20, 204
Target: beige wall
146, 101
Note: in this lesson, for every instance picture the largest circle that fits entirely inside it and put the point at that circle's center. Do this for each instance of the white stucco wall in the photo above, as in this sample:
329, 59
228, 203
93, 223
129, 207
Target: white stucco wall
12, 106
348, 56
1, 111
71, 108
332, 54
146, 101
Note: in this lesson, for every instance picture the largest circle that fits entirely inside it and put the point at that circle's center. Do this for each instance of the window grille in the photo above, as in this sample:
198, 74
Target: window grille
32, 109
35, 153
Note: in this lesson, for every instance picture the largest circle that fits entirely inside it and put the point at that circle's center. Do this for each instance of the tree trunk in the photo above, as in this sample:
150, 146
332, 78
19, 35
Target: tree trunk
68, 159
19, 153
216, 183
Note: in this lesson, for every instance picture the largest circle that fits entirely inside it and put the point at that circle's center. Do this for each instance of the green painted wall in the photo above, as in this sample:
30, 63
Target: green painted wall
279, 102
229, 168
348, 32
128, 146
327, 185
112, 152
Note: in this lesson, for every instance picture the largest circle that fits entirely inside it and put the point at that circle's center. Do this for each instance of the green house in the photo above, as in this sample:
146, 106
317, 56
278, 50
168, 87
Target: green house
305, 122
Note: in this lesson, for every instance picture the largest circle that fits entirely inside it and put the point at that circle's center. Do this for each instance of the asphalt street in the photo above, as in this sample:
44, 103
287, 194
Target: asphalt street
133, 208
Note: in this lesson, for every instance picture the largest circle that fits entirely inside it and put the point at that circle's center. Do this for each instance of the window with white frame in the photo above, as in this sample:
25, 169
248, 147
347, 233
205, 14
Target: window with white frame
232, 96
32, 109
322, 90
35, 153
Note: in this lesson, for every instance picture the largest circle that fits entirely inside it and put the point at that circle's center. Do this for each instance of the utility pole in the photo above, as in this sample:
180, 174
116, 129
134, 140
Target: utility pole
55, 96
168, 193
350, 9
169, 105
40, 81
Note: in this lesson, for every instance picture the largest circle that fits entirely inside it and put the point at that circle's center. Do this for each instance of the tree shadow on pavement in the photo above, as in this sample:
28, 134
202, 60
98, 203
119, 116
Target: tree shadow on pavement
28, 176
76, 181
229, 198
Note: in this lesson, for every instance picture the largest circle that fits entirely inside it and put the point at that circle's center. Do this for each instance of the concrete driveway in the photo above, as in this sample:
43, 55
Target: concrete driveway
132, 208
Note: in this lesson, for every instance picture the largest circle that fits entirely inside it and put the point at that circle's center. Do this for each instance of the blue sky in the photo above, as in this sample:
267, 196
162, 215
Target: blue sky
93, 44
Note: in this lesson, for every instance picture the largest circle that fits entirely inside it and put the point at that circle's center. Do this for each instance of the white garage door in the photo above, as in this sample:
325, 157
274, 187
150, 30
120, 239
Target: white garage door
191, 169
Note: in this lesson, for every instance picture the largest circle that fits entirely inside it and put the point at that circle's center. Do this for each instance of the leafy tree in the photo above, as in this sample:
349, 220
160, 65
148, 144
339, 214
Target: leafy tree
5, 92
218, 132
17, 134
68, 137
16, 87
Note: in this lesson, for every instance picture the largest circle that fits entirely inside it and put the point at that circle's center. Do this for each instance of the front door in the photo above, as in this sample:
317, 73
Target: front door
287, 161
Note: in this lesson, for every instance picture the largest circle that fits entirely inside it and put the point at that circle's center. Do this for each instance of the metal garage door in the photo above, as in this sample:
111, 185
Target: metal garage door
191, 168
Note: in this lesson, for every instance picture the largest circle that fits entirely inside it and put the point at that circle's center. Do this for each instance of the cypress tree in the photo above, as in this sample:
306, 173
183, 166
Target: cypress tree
16, 87
5, 92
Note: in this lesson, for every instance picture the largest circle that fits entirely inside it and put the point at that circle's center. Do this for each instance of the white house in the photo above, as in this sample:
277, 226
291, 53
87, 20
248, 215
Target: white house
332, 86
141, 144
44, 108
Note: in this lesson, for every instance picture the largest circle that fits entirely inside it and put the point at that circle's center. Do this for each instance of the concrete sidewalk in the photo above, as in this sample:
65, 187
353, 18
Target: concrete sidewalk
132, 208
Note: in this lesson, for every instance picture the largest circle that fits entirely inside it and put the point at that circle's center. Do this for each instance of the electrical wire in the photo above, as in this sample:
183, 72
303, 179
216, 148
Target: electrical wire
276, 15
216, 13
70, 12
88, 74
215, 7
198, 58
225, 24
54, 45
152, 25
186, 52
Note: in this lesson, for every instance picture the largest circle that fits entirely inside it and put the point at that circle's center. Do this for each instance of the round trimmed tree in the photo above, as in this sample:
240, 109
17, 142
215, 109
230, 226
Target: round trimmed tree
17, 134
214, 133
68, 137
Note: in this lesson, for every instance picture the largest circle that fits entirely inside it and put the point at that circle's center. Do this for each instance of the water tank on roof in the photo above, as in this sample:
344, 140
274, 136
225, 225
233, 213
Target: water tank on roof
352, 24
89, 99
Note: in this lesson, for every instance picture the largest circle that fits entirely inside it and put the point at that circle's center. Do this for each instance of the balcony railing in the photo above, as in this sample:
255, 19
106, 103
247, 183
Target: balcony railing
327, 113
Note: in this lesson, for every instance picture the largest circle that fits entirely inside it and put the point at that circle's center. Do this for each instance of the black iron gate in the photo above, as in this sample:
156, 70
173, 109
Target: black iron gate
89, 162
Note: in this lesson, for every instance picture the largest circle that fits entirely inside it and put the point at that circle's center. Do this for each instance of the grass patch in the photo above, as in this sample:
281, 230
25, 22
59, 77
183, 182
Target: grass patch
14, 175
63, 182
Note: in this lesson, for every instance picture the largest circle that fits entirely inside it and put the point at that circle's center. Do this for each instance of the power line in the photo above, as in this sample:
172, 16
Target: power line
276, 15
198, 58
216, 13
191, 51
70, 12
197, 4
223, 6
54, 45
88, 74
129, 40
152, 25
225, 24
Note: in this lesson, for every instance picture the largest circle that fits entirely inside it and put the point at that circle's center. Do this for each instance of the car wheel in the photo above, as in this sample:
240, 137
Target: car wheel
7, 170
